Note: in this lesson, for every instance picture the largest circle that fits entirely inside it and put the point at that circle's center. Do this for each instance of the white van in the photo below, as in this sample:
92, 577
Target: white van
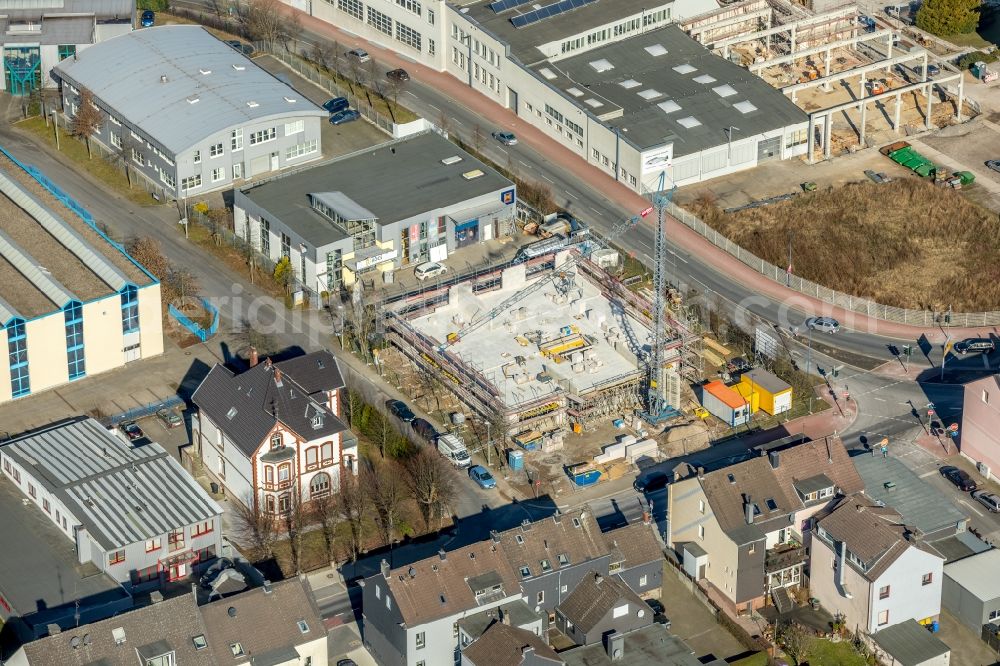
453, 448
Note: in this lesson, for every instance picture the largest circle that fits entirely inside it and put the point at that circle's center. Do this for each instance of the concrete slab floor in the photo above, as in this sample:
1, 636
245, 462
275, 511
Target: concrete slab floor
693, 622
966, 647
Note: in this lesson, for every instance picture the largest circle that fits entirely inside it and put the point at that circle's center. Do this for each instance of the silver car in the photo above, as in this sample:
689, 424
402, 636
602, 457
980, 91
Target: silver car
823, 324
990, 500
359, 54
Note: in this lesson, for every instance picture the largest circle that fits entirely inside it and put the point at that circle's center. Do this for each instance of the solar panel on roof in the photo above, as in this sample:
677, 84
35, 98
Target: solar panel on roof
548, 11
504, 5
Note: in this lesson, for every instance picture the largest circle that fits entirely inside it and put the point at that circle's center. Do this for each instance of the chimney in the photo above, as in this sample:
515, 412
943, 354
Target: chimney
254, 357
526, 652
495, 536
774, 458
53, 629
443, 555
614, 644
748, 509
504, 617
155, 597
385, 569
701, 472
598, 579
841, 563
267, 587
277, 377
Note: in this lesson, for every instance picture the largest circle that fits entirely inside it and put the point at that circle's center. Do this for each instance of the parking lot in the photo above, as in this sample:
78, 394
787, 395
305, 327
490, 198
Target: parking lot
335, 139
693, 622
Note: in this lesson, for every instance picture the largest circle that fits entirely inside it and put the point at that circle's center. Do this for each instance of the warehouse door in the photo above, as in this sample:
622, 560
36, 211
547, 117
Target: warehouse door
769, 149
133, 353
258, 165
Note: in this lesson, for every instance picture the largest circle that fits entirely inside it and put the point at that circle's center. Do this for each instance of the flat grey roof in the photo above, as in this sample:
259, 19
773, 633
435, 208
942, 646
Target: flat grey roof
41, 575
767, 380
524, 41
650, 646
688, 80
229, 88
919, 503
122, 493
395, 181
978, 574
910, 644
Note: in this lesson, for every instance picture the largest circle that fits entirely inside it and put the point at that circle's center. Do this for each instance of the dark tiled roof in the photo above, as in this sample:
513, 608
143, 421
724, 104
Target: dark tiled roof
634, 544
262, 397
263, 622
315, 372
503, 645
759, 481
575, 535
167, 625
593, 599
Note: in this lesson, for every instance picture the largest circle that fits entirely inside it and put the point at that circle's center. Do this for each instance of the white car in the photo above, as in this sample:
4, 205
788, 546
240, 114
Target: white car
429, 269
359, 54
823, 324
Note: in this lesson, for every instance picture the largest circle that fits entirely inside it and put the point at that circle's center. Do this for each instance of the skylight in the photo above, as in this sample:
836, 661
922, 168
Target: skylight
231, 413
725, 91
575, 92
771, 504
547, 73
472, 175
656, 50
628, 84
705, 79
669, 106
650, 93
593, 103
685, 69
454, 159
601, 65
744, 107
689, 122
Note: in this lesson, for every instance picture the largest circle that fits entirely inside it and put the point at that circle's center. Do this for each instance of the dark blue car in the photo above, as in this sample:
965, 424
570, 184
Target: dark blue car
336, 105
344, 116
147, 19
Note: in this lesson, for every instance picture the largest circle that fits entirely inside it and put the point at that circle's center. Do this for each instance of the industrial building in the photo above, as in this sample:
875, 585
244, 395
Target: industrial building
38, 35
560, 345
72, 304
190, 113
857, 80
374, 211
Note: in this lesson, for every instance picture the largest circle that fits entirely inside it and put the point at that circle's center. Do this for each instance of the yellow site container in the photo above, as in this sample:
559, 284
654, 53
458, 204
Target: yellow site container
751, 396
774, 394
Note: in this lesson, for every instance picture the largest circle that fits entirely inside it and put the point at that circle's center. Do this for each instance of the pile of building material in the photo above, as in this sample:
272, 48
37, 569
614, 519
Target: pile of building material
629, 449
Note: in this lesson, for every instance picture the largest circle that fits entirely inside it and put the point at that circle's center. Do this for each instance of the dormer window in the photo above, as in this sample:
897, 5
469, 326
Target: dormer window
546, 566
317, 421
167, 659
276, 441
525, 572
825, 492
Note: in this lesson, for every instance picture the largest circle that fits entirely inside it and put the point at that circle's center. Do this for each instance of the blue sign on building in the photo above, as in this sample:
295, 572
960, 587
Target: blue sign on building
507, 197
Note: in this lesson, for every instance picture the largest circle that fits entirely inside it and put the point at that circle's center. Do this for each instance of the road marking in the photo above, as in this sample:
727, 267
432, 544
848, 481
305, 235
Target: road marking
547, 178
430, 105
971, 508
930, 473
526, 165
594, 209
678, 257
879, 399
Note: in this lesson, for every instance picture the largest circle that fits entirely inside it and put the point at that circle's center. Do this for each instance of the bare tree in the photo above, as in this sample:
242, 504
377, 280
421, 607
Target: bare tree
263, 20
374, 82
87, 120
357, 73
352, 504
254, 527
246, 336
323, 54
323, 512
147, 252
444, 122
296, 521
796, 641
431, 482
183, 284
121, 156
395, 86
383, 484
478, 139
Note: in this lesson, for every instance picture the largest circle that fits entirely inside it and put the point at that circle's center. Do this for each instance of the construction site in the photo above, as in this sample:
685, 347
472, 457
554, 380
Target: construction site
859, 80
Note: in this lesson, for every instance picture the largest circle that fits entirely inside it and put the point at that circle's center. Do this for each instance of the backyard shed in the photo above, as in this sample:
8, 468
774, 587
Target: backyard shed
725, 403
775, 394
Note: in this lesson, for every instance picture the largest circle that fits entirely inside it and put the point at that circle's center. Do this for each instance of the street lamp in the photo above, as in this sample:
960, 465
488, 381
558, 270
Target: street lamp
55, 123
729, 132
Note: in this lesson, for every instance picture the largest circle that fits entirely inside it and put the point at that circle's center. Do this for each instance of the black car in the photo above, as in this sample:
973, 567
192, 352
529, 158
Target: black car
399, 409
242, 47
659, 612
397, 75
652, 483
424, 429
985, 345
958, 477
132, 431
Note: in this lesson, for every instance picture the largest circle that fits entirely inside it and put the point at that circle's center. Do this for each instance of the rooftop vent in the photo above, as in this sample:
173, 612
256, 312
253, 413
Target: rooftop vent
290, 100
650, 93
204, 72
118, 634
601, 65
231, 611
239, 68
252, 104
689, 122
547, 73
472, 175
163, 78
454, 159
705, 79
656, 50
724, 91
193, 99
593, 103
575, 92
685, 69
628, 84
744, 107
231, 414
412, 572
732, 479
669, 106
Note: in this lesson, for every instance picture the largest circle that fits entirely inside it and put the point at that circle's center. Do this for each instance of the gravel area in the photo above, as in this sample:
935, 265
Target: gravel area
21, 294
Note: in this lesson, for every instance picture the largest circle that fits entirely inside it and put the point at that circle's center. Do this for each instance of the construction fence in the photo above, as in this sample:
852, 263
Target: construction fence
926, 318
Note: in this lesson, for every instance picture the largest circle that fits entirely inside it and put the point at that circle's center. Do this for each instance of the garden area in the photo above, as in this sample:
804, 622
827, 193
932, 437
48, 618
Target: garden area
906, 243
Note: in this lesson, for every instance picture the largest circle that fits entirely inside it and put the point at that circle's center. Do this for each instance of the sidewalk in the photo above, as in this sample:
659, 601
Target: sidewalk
563, 158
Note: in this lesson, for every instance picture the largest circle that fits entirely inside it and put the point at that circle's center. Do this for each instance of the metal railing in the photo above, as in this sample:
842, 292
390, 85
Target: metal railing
196, 329
927, 318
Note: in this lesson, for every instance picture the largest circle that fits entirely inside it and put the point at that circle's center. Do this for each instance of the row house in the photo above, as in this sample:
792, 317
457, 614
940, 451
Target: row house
272, 435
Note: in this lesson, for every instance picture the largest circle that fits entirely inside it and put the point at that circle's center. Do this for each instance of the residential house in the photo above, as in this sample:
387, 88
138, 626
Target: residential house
278, 624
744, 528
128, 508
870, 568
971, 589
909, 644
420, 614
504, 645
272, 435
598, 606
980, 433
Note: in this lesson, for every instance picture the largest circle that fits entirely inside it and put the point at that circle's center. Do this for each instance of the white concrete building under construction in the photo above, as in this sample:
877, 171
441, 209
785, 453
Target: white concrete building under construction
190, 113
72, 304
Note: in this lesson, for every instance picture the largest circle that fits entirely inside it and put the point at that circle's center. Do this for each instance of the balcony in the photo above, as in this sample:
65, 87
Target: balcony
784, 556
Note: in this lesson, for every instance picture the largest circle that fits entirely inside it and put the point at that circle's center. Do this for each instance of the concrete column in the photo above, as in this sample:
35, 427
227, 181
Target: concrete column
725, 51
863, 80
961, 98
826, 86
929, 92
923, 77
793, 39
861, 127
810, 138
899, 104
828, 130
888, 47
